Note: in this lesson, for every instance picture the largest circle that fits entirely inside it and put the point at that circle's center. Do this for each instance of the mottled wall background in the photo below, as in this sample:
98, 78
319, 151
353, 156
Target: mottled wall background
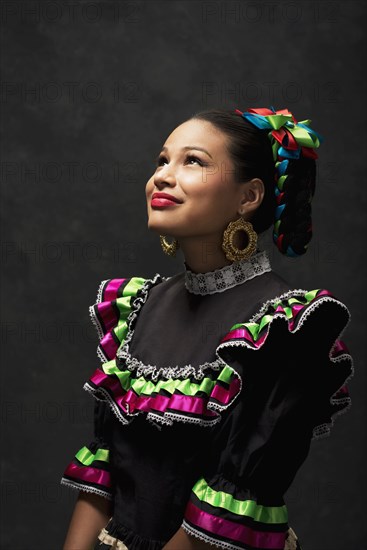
89, 93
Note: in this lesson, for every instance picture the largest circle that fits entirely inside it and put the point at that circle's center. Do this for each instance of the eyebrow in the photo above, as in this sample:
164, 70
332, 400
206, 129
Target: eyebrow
192, 147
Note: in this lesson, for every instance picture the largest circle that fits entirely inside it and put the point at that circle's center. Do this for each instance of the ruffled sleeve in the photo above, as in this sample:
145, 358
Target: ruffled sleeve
89, 469
294, 369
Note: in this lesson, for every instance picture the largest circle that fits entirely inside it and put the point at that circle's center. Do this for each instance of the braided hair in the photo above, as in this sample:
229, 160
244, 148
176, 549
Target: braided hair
289, 184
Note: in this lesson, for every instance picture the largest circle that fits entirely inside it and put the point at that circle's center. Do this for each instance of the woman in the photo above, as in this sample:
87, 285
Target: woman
214, 381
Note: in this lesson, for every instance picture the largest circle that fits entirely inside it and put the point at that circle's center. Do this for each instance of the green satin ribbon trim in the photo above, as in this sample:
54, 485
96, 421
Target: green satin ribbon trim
133, 286
311, 294
226, 375
123, 305
86, 457
147, 387
220, 499
256, 328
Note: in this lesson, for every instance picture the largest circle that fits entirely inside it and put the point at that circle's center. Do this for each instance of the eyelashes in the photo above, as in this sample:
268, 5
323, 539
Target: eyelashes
158, 160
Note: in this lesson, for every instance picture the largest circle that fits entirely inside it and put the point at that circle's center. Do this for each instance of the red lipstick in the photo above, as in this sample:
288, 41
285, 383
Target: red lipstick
161, 200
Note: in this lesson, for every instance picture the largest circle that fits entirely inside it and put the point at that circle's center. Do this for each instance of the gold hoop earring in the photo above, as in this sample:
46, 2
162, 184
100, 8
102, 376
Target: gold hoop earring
169, 248
231, 251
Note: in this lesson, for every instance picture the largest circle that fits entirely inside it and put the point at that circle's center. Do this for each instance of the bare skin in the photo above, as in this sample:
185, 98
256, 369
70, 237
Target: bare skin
209, 193
210, 198
91, 513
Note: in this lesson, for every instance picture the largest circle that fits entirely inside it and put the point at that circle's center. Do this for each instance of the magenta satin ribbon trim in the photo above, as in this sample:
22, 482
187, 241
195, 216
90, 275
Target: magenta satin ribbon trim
245, 334
339, 347
225, 396
86, 473
184, 403
325, 293
234, 531
343, 391
99, 378
110, 292
109, 346
107, 314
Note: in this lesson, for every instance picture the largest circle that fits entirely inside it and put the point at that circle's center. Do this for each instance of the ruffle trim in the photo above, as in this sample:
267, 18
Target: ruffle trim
78, 486
191, 530
220, 513
126, 536
291, 542
128, 385
168, 400
111, 311
89, 470
295, 306
131, 387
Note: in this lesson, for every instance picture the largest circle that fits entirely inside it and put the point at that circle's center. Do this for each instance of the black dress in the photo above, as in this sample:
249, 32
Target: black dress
211, 389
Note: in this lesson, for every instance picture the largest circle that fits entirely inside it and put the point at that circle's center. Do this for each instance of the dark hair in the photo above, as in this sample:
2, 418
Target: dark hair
251, 153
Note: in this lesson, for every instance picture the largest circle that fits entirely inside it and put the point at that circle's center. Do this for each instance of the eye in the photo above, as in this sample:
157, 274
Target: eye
196, 159
159, 160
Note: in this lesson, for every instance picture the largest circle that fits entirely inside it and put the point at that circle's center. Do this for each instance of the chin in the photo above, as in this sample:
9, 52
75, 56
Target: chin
154, 225
161, 228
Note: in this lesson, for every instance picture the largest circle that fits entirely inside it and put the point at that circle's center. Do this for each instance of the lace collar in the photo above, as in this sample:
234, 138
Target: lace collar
228, 276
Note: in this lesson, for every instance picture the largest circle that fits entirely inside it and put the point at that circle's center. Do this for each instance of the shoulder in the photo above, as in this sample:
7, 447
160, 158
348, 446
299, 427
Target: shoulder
305, 311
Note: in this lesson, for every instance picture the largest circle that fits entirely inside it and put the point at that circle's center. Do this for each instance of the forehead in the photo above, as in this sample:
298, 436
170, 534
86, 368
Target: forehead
197, 132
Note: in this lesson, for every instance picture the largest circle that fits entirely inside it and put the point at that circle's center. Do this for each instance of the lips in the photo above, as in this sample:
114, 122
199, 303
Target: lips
163, 200
165, 196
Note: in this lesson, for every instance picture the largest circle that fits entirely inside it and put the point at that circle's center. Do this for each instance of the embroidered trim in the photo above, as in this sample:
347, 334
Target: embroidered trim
220, 544
81, 487
228, 276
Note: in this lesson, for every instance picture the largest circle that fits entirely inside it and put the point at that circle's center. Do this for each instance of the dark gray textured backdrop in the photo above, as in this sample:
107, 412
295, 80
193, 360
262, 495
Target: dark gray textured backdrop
89, 93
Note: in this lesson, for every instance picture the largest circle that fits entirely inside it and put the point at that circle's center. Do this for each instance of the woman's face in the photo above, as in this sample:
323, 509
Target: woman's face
194, 168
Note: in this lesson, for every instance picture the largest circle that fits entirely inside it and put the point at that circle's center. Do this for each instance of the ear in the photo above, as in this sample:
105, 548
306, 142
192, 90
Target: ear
251, 197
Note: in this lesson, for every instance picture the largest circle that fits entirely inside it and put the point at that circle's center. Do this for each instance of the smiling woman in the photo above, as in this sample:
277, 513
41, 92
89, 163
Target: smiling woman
203, 400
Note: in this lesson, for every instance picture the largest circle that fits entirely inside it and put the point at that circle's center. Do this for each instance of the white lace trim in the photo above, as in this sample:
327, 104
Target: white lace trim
168, 418
95, 321
228, 276
199, 535
109, 399
81, 487
92, 313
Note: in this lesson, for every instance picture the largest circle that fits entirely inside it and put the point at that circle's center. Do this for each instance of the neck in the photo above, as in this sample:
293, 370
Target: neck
203, 254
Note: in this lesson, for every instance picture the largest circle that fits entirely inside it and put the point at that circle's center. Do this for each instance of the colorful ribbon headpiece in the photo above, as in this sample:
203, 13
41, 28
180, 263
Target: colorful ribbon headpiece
289, 138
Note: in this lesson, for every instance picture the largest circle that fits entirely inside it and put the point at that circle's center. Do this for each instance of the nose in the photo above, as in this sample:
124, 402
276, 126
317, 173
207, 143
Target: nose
165, 176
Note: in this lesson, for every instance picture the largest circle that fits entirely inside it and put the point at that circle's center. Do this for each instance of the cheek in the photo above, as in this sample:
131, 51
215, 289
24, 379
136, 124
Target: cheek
216, 193
149, 187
